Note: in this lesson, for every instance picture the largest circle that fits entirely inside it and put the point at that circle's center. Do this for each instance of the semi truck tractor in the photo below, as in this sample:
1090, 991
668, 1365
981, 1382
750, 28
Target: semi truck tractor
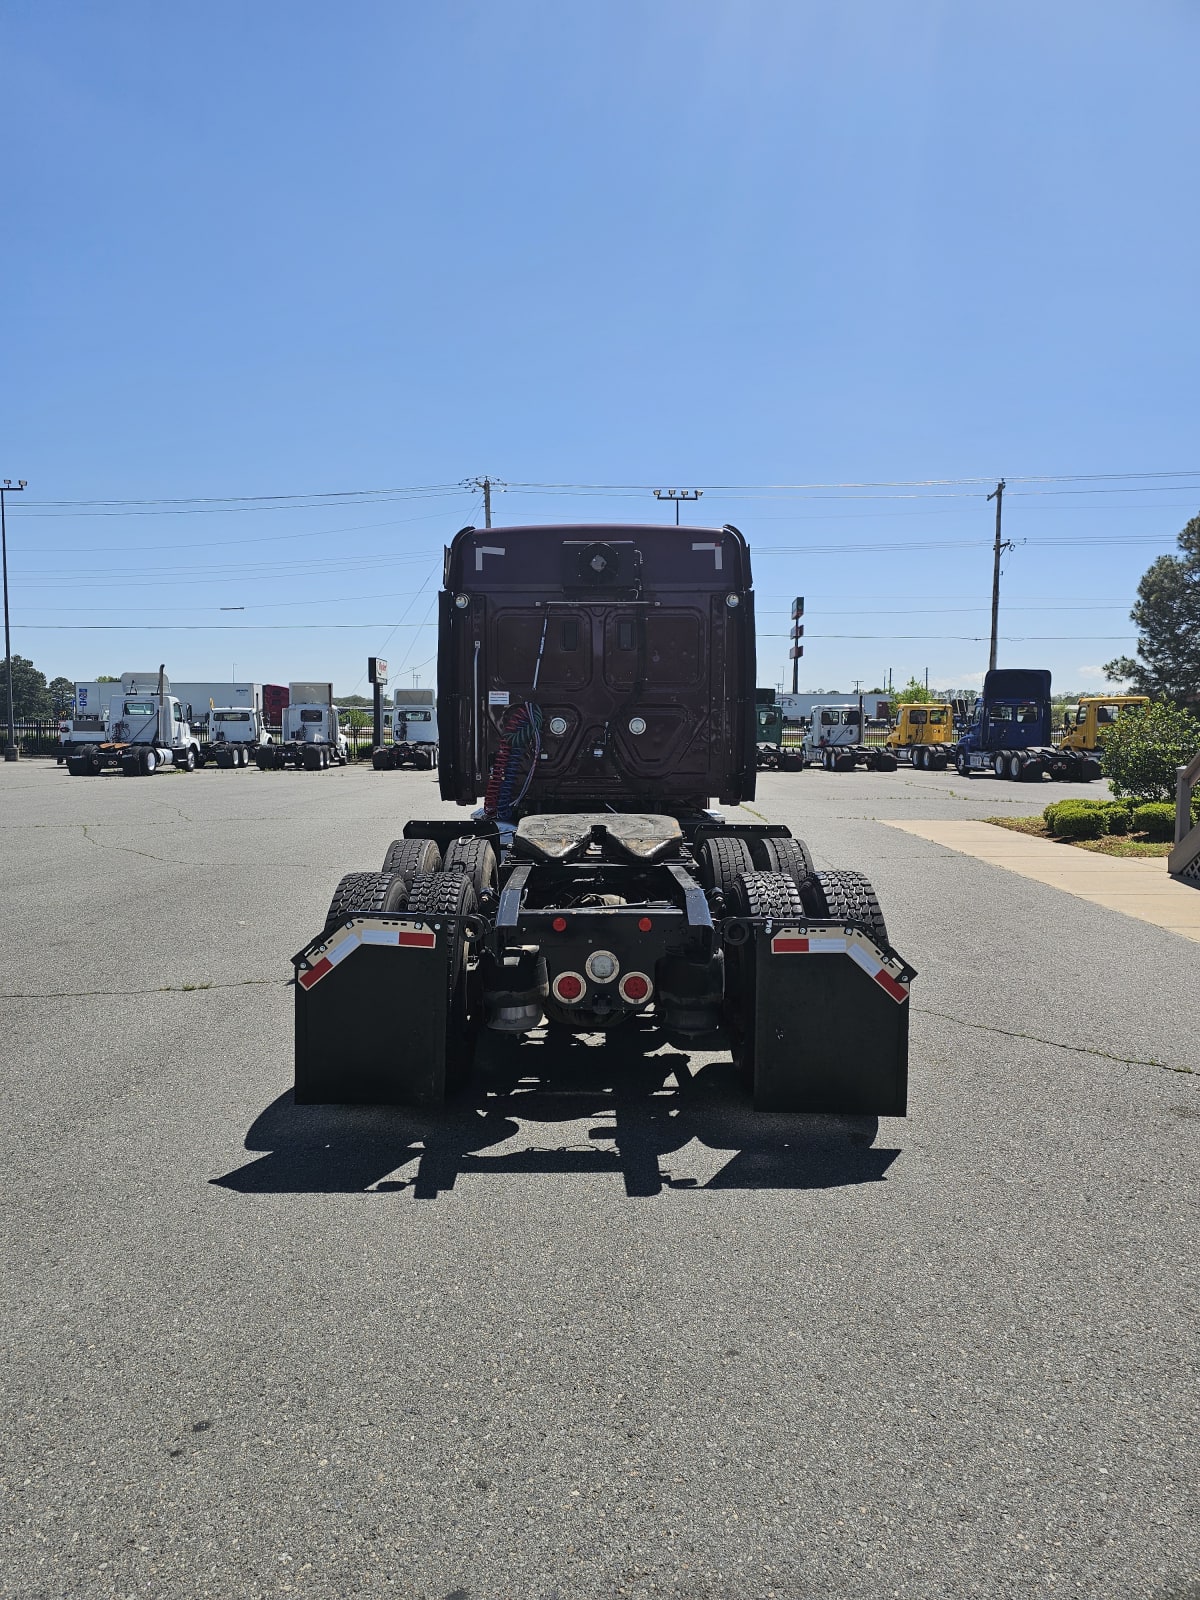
233, 735
770, 755
1088, 725
924, 736
1009, 733
596, 692
414, 732
312, 735
147, 728
833, 740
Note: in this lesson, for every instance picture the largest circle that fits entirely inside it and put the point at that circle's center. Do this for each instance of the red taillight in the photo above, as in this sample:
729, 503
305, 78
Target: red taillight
645, 924
635, 987
568, 987
559, 924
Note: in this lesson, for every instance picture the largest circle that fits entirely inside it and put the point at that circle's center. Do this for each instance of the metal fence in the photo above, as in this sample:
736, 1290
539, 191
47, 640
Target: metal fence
33, 738
42, 739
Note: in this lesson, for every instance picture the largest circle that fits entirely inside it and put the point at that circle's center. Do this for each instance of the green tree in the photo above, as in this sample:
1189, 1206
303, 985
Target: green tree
1145, 746
31, 698
1167, 614
913, 694
62, 695
106, 677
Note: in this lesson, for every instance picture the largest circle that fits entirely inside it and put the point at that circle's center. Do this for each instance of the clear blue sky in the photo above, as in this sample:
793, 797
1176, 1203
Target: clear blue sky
294, 249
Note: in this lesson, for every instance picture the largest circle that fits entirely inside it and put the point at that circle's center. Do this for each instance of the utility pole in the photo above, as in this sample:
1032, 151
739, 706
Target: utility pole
677, 495
997, 495
486, 485
10, 749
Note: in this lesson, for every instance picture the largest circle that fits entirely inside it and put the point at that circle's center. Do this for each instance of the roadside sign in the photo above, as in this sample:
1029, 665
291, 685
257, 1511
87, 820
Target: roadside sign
377, 669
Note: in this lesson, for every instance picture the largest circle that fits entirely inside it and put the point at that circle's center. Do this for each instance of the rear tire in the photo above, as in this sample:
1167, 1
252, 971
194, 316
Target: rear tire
998, 766
449, 894
846, 897
412, 858
789, 856
365, 894
1014, 768
765, 894
477, 859
720, 862
379, 760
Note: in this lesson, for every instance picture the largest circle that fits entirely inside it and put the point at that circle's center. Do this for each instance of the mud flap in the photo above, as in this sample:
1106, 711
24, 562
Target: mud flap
828, 1021
374, 1013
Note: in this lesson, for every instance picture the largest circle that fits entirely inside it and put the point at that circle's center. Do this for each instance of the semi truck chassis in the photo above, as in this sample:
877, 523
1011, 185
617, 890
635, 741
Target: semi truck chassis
846, 757
408, 753
723, 933
1029, 764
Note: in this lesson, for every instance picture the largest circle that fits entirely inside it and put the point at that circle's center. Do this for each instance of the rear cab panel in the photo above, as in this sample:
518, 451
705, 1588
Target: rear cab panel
636, 643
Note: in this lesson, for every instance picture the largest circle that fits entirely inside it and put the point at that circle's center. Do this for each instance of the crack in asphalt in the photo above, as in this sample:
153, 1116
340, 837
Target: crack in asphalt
165, 988
1057, 1044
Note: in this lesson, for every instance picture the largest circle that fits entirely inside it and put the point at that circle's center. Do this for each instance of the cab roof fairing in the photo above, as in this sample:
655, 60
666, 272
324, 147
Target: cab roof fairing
483, 558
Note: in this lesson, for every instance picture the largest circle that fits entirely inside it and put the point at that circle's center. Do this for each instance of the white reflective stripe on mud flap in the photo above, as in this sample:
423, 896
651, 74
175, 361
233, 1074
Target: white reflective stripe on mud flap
793, 941
803, 944
411, 934
875, 968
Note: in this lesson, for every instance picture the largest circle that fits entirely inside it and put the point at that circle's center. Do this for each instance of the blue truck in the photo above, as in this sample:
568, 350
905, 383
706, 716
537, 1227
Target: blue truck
1009, 733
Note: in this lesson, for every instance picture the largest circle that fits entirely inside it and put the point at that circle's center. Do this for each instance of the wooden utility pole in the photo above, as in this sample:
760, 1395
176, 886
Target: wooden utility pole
486, 485
997, 495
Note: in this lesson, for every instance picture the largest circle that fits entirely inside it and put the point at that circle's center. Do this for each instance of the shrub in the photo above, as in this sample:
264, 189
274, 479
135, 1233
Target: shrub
1156, 821
1118, 817
1072, 807
1145, 746
1085, 823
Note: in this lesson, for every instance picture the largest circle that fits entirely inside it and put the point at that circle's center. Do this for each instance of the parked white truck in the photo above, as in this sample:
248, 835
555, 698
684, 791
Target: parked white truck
833, 740
232, 736
147, 728
414, 732
312, 734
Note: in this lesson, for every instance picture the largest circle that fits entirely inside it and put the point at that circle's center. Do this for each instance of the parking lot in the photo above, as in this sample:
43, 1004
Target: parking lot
596, 1328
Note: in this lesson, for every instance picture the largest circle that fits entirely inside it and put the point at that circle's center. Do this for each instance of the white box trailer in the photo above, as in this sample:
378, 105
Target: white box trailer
88, 722
239, 696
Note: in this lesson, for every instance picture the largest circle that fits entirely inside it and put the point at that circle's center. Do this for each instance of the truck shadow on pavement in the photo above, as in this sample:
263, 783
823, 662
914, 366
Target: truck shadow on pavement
630, 1102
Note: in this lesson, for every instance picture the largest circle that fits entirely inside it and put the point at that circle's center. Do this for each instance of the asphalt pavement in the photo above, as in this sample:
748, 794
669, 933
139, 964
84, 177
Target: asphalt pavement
596, 1328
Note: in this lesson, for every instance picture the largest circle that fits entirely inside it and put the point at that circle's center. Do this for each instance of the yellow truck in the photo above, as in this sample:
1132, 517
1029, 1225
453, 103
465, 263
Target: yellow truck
1087, 727
924, 736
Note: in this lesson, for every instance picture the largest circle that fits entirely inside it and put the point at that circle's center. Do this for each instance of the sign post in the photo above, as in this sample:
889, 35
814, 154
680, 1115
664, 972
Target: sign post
377, 669
797, 634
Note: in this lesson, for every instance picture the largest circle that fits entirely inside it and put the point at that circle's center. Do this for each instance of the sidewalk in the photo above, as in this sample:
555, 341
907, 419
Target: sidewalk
1139, 887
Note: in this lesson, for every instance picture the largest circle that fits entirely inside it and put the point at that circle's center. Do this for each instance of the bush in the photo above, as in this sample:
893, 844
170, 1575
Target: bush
1063, 808
1081, 824
1156, 821
1113, 815
1144, 747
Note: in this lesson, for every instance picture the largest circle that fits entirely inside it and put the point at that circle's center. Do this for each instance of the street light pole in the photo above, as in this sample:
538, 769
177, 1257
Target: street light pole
10, 749
677, 495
